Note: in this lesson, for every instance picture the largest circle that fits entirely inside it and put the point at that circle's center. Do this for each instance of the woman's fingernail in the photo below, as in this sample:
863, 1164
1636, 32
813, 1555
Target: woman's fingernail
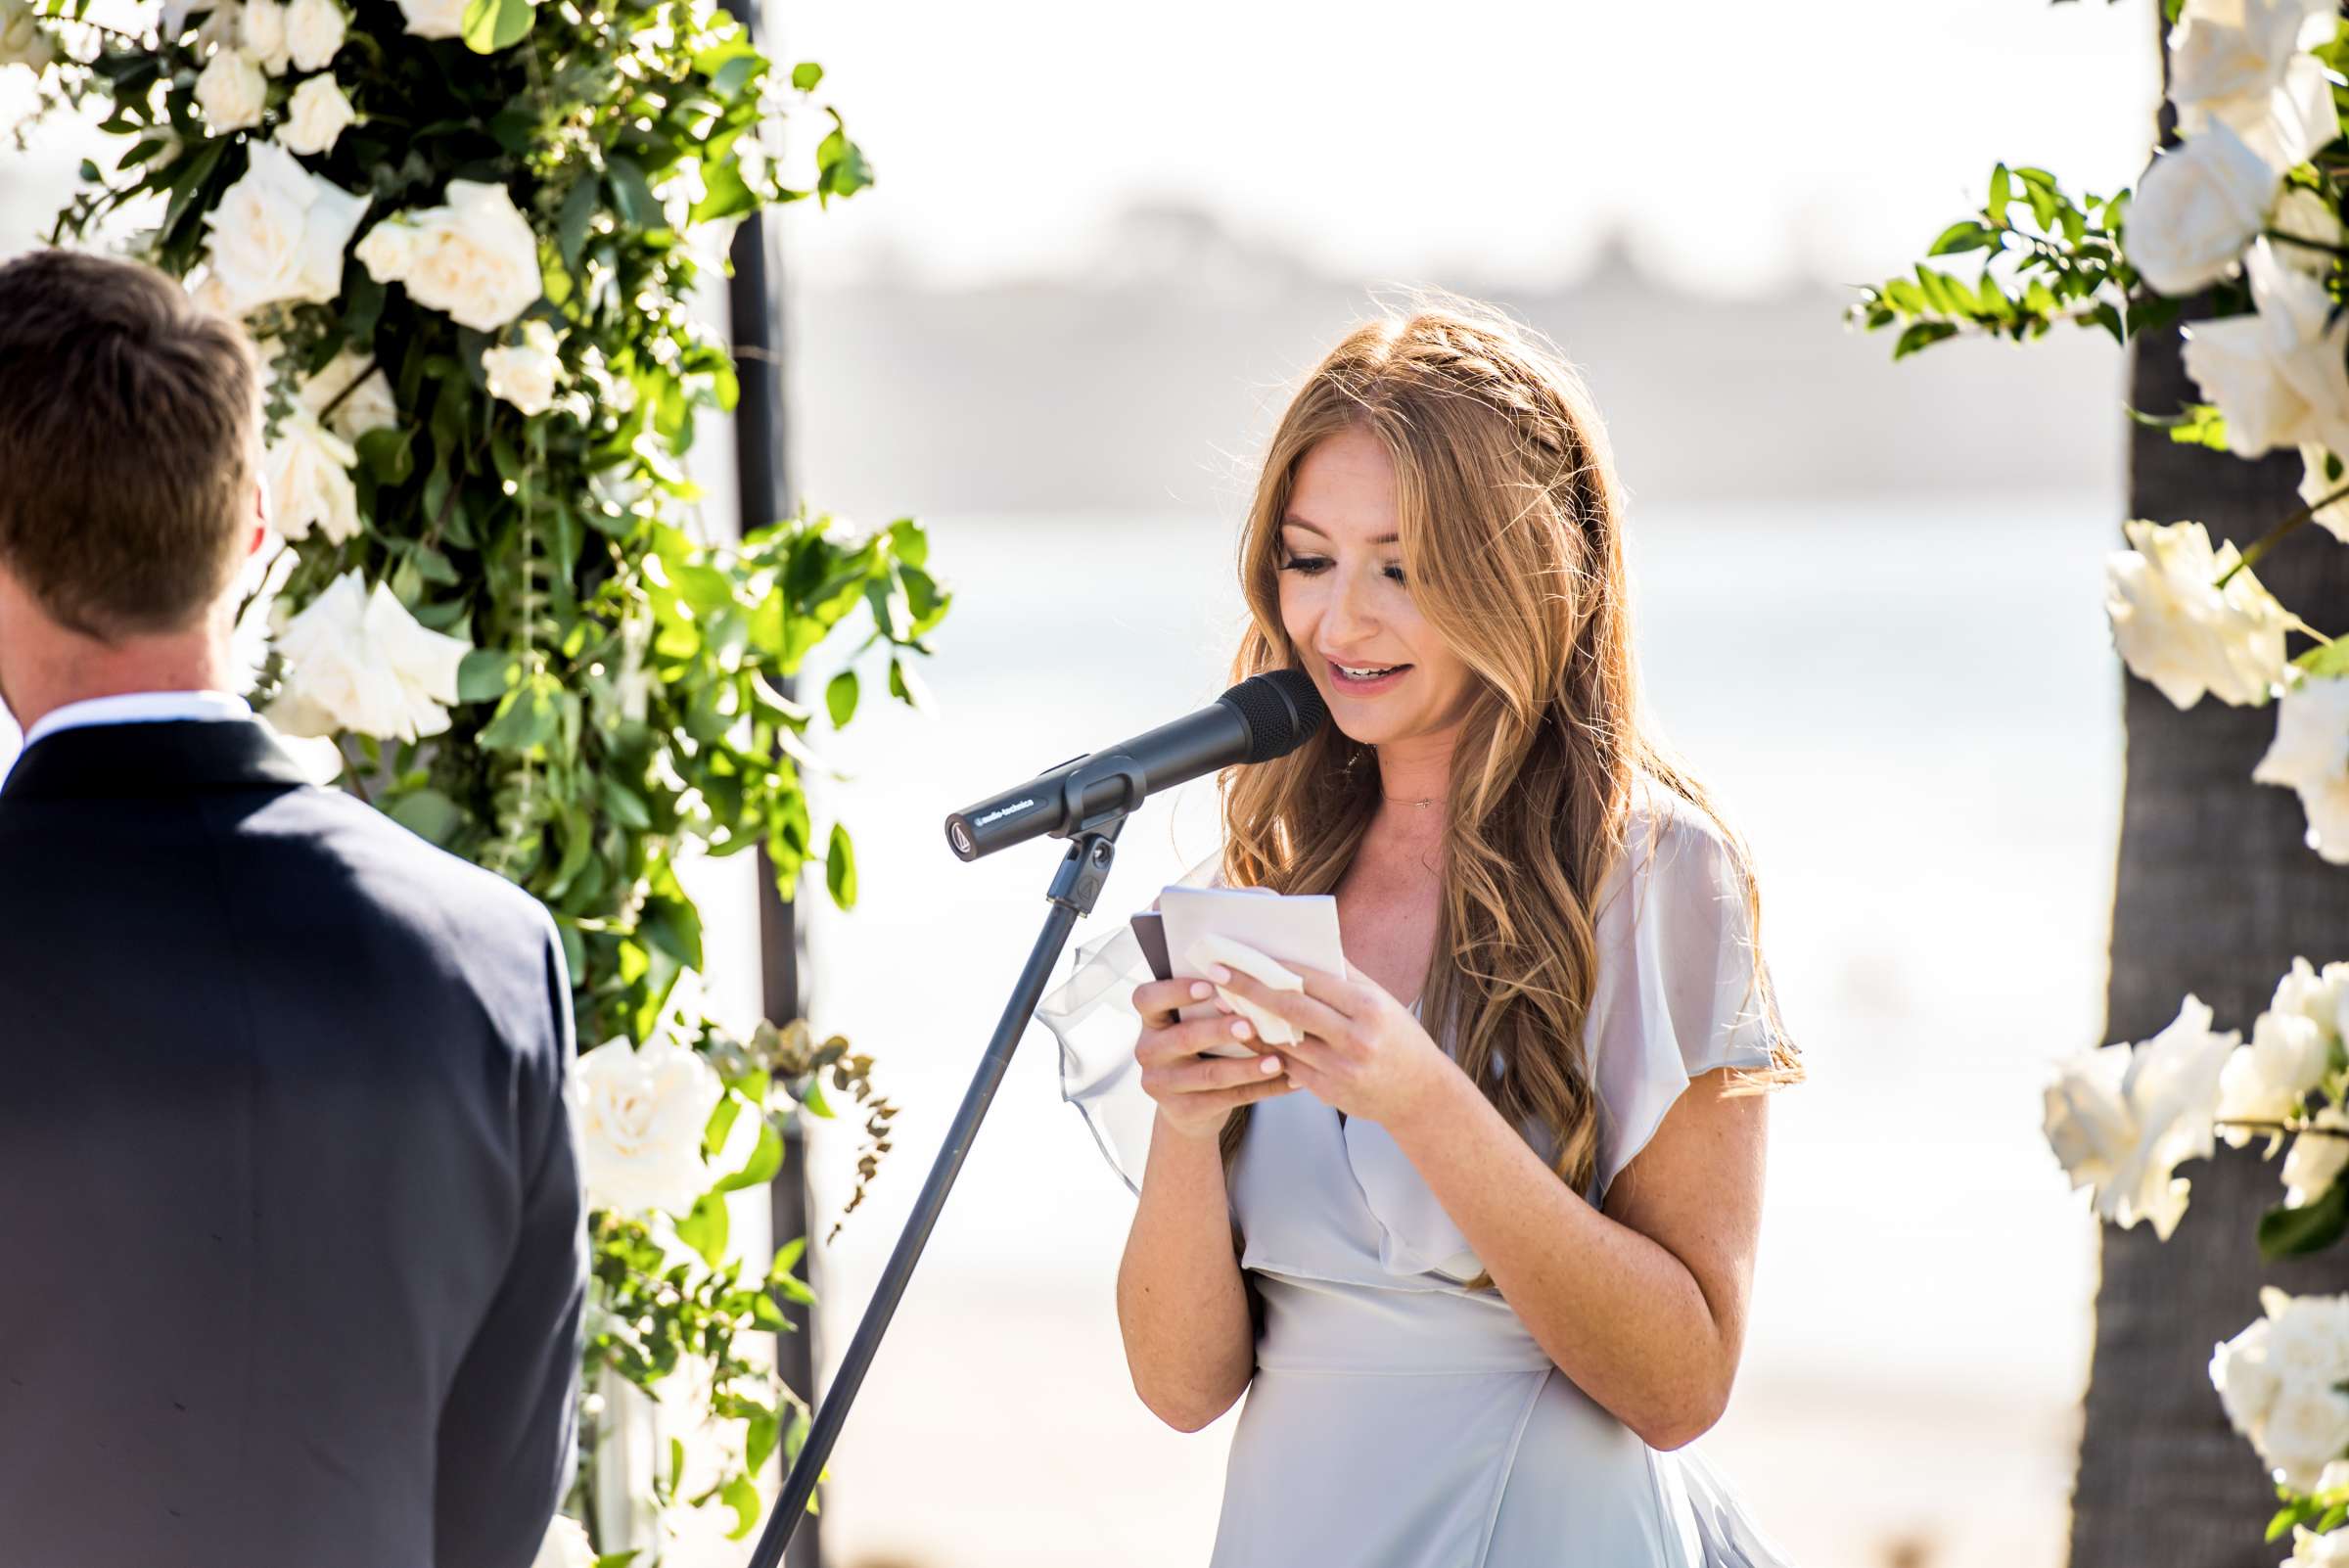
1219, 974
1242, 1028
1269, 1065
1200, 987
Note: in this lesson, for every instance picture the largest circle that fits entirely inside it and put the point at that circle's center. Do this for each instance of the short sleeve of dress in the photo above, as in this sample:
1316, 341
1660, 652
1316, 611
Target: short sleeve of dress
1091, 1014
1676, 994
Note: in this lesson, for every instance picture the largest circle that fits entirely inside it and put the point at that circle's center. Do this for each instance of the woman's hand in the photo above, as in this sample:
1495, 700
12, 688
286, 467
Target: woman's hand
1196, 1093
1363, 1051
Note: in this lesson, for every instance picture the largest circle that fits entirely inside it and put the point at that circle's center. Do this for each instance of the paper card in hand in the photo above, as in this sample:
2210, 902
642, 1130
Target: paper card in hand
1287, 929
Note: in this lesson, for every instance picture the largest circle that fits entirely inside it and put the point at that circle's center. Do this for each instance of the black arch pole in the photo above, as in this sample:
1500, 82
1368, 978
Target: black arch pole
1074, 887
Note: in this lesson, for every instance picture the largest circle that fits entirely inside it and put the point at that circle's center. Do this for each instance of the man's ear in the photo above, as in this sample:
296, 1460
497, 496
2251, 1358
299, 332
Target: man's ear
261, 517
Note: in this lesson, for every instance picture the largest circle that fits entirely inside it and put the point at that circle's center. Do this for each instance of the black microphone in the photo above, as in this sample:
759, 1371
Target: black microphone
1262, 718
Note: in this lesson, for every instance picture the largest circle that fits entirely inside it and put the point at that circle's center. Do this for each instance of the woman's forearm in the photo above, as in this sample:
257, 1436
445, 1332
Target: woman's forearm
1182, 1306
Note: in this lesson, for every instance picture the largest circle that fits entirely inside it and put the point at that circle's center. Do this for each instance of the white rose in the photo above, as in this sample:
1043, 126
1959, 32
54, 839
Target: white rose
475, 258
641, 1116
2301, 211
231, 91
2308, 1336
2197, 207
261, 31
23, 42
526, 374
2310, 756
278, 233
369, 405
2307, 1426
433, 19
359, 662
2321, 996
2245, 63
2315, 1162
315, 115
2268, 1080
314, 32
566, 1546
2122, 1119
2174, 629
307, 470
2248, 1385
2276, 374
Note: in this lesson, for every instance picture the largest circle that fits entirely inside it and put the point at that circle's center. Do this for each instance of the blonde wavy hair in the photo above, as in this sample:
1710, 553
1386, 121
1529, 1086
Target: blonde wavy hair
1511, 522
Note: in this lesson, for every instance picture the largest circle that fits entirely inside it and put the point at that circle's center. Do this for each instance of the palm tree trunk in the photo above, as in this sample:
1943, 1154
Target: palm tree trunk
2216, 894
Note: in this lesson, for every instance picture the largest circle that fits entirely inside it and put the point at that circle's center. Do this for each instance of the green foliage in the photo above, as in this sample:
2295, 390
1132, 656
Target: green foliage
628, 701
2046, 258
2311, 1228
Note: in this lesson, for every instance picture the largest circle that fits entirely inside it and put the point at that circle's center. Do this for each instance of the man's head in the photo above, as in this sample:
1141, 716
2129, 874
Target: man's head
129, 452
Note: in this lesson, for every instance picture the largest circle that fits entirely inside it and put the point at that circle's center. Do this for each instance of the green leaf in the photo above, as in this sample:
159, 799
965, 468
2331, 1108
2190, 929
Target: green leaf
840, 698
760, 1440
2325, 659
840, 869
806, 74
705, 1230
387, 454
675, 927
743, 1497
2001, 190
494, 25
764, 1161
726, 195
571, 229
813, 1098
722, 1125
485, 673
526, 719
2311, 1228
1922, 335
428, 813
632, 195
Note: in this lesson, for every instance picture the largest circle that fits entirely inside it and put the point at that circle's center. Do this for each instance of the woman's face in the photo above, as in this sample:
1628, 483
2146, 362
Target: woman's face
1385, 672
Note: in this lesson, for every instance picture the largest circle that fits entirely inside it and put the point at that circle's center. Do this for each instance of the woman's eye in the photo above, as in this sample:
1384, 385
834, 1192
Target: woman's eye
1306, 565
1395, 572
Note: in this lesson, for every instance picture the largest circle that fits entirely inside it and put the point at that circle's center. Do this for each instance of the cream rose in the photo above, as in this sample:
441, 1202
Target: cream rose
315, 115
2248, 1385
314, 32
22, 41
369, 405
231, 91
2313, 1551
526, 374
2174, 629
2268, 1080
261, 33
357, 661
278, 233
435, 19
307, 470
2245, 63
2315, 1160
641, 1117
2122, 1119
2302, 213
475, 258
566, 1546
2310, 756
2195, 210
2320, 996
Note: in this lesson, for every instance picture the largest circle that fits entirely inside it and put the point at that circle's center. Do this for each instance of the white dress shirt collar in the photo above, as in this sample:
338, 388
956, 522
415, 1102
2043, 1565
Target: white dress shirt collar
140, 708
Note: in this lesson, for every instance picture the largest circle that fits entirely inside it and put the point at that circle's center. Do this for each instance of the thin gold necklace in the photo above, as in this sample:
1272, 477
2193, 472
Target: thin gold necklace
1427, 800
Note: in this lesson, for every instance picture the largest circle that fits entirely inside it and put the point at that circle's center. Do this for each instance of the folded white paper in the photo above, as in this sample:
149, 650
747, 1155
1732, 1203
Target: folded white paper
1272, 929
1232, 953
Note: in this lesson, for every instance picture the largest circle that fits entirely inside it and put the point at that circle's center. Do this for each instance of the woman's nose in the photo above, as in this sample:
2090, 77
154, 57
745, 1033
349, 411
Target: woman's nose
1348, 621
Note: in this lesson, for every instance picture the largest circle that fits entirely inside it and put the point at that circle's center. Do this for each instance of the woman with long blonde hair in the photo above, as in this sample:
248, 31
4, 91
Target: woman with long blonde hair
1478, 1246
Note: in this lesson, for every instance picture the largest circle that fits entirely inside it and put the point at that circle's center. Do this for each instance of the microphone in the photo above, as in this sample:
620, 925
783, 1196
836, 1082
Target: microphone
1262, 718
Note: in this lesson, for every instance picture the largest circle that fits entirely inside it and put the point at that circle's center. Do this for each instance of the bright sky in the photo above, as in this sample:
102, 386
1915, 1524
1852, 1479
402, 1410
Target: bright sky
1739, 142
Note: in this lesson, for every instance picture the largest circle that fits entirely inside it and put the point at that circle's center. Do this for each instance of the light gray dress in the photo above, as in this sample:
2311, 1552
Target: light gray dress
1396, 1420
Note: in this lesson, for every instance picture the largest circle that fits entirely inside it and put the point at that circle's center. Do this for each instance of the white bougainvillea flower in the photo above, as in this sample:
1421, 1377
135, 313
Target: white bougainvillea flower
22, 39
2323, 474
2268, 1078
2302, 213
641, 1117
358, 662
2122, 1119
566, 1546
2174, 629
2310, 756
475, 258
278, 234
2313, 1551
2248, 1385
2276, 1379
526, 374
2320, 995
307, 470
314, 32
369, 405
435, 19
2245, 63
2198, 207
2316, 1159
231, 91
2277, 373
316, 116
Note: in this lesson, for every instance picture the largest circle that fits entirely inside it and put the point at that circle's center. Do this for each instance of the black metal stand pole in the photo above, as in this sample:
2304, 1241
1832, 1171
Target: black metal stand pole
1074, 887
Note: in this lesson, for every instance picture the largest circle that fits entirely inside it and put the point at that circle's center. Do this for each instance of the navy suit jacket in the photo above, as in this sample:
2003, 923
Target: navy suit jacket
289, 1209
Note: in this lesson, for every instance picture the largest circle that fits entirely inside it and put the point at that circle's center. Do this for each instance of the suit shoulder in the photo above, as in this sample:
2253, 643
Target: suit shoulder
469, 895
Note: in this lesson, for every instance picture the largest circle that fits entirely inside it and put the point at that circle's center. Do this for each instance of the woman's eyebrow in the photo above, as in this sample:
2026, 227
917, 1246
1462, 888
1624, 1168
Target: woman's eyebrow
1299, 522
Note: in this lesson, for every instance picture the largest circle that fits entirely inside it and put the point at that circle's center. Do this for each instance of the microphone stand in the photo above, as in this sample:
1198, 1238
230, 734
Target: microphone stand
1074, 887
